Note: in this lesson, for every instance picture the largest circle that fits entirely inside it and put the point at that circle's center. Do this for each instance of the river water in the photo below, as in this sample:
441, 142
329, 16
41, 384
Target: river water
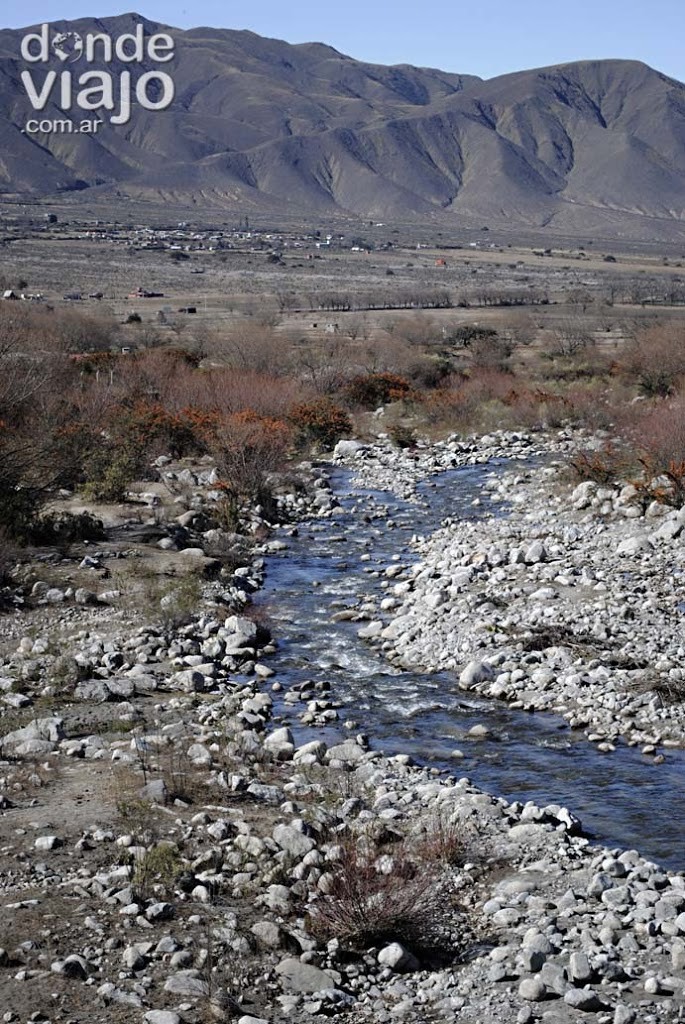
623, 799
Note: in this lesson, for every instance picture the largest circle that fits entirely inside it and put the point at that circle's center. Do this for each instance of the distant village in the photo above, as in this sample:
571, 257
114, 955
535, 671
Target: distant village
186, 238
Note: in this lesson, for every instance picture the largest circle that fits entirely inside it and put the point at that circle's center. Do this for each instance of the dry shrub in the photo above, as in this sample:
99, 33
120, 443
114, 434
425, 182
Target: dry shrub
34, 328
660, 432
417, 330
251, 347
227, 392
658, 438
320, 364
655, 360
155, 873
248, 448
366, 906
386, 353
373, 389
569, 339
405, 896
594, 405
487, 398
649, 452
605, 465
35, 392
402, 435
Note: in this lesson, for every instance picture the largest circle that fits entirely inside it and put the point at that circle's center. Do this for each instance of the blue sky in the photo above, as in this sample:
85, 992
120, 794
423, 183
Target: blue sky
483, 37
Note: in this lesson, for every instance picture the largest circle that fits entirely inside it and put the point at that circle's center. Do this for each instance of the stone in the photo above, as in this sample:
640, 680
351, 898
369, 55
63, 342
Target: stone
156, 792
47, 843
475, 672
295, 843
535, 553
397, 958
187, 983
159, 912
161, 1017
133, 959
95, 691
299, 977
678, 955
73, 966
46, 730
241, 629
582, 495
269, 935
261, 791
190, 680
632, 546
109, 993
314, 750
554, 977
583, 999
347, 449
533, 990
579, 968
349, 752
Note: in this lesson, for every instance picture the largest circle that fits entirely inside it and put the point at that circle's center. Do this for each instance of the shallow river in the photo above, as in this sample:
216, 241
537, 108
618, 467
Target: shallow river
622, 798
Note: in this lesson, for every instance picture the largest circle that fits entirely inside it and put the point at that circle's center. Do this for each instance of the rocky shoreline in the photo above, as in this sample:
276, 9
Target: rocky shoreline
170, 853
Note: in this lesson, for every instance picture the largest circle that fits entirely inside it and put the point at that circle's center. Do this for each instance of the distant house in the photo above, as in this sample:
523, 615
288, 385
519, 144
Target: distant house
9, 294
144, 293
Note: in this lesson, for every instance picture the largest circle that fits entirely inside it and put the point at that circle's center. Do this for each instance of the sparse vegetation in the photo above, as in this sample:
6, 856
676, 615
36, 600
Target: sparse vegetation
155, 871
401, 893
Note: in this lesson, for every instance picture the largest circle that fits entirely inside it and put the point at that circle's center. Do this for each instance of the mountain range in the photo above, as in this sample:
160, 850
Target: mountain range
259, 124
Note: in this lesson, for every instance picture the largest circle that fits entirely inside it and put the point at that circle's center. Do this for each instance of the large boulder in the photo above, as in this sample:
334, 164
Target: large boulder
298, 977
346, 449
38, 737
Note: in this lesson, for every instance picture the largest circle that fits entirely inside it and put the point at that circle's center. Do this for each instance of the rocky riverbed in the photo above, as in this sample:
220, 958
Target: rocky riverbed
572, 602
172, 852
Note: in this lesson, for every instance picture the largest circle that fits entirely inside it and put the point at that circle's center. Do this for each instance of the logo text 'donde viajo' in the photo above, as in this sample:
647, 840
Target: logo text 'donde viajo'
92, 89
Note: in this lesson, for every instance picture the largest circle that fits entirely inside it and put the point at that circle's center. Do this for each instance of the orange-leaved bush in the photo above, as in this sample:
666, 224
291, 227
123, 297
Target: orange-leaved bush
321, 421
372, 389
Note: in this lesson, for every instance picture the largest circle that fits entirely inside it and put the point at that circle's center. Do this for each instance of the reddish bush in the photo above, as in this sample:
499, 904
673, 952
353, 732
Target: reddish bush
655, 360
248, 448
605, 465
191, 431
320, 421
374, 389
658, 438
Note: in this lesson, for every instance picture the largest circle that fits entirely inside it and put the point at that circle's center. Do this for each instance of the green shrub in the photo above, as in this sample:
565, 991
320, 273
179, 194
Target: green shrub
111, 469
156, 871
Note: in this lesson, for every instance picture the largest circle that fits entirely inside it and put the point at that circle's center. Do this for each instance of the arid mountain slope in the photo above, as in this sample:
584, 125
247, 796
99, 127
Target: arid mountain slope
262, 124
